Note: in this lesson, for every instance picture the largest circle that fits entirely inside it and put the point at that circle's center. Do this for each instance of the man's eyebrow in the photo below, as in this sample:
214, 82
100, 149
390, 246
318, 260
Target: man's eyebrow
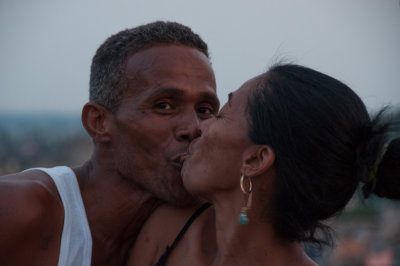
210, 97
175, 92
166, 92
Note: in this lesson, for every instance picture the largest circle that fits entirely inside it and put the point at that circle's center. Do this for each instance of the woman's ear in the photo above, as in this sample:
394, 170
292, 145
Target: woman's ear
94, 119
257, 160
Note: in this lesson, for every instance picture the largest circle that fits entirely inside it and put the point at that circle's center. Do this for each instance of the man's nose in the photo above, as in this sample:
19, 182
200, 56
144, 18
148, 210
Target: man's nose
189, 127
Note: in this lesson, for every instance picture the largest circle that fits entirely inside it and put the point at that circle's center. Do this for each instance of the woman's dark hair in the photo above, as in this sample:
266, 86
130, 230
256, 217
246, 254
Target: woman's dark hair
325, 144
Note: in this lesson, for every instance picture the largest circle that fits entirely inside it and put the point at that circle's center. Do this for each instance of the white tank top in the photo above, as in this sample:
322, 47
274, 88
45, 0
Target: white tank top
76, 240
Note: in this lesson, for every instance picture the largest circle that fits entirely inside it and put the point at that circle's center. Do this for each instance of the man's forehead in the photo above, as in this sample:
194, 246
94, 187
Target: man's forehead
170, 66
156, 57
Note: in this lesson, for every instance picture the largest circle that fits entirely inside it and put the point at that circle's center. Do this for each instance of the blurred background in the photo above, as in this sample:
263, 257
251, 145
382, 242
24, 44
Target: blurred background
46, 49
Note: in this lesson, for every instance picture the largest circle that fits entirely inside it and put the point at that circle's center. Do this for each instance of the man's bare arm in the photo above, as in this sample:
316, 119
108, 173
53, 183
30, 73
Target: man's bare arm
31, 220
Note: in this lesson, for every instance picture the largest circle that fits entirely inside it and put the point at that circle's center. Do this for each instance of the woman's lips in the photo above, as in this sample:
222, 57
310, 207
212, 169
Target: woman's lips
184, 157
179, 159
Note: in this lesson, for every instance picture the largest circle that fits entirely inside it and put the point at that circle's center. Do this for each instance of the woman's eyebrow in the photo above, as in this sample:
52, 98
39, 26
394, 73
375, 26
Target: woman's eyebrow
230, 95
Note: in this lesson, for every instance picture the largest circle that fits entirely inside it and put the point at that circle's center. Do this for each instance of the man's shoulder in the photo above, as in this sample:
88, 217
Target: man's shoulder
31, 184
27, 197
31, 218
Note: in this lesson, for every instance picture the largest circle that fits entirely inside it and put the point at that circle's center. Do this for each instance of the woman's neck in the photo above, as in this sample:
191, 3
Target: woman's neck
255, 243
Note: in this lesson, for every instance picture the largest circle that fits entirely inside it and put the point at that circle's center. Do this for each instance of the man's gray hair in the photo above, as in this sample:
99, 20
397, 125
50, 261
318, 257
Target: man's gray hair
107, 77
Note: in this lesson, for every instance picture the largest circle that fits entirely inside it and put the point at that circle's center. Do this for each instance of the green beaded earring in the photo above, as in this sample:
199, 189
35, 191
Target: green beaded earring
243, 219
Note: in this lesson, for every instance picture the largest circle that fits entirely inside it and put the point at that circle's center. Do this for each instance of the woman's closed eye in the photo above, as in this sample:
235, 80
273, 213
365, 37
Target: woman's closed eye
218, 116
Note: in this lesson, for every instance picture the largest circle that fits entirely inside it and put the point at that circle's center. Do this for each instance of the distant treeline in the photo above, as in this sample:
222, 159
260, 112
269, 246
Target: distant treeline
41, 141
33, 140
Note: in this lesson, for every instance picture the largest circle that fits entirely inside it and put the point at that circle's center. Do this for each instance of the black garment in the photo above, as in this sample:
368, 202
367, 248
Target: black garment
164, 256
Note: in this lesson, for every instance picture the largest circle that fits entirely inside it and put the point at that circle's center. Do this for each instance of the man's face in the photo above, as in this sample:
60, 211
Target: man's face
171, 88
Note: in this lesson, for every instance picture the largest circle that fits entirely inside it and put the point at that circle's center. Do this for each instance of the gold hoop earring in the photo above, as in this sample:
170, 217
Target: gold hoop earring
243, 218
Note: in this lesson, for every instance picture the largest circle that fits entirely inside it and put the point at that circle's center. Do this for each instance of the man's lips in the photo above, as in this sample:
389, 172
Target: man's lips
180, 158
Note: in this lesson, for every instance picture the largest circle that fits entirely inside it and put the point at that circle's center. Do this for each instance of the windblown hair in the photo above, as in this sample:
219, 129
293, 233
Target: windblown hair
107, 78
325, 145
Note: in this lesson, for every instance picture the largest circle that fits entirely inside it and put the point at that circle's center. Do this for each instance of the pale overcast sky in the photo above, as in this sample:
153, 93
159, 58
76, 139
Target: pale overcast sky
46, 46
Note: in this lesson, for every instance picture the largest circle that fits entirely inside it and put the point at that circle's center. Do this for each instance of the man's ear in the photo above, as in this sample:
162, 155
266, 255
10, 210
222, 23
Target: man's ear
94, 119
257, 160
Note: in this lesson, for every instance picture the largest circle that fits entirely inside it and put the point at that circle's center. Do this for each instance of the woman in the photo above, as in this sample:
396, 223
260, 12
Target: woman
285, 153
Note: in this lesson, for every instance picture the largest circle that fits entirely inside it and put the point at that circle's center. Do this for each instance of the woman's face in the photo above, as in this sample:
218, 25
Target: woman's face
215, 159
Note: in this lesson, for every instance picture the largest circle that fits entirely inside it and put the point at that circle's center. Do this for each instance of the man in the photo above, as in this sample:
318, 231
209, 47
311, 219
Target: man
150, 86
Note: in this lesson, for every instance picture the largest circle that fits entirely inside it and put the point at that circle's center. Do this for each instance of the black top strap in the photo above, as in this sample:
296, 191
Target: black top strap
164, 256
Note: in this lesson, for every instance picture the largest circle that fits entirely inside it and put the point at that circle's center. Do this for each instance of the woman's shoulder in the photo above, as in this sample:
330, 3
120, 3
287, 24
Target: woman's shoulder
159, 232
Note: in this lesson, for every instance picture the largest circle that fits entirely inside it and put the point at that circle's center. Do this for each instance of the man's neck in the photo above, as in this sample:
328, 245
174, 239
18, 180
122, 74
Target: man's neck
115, 210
